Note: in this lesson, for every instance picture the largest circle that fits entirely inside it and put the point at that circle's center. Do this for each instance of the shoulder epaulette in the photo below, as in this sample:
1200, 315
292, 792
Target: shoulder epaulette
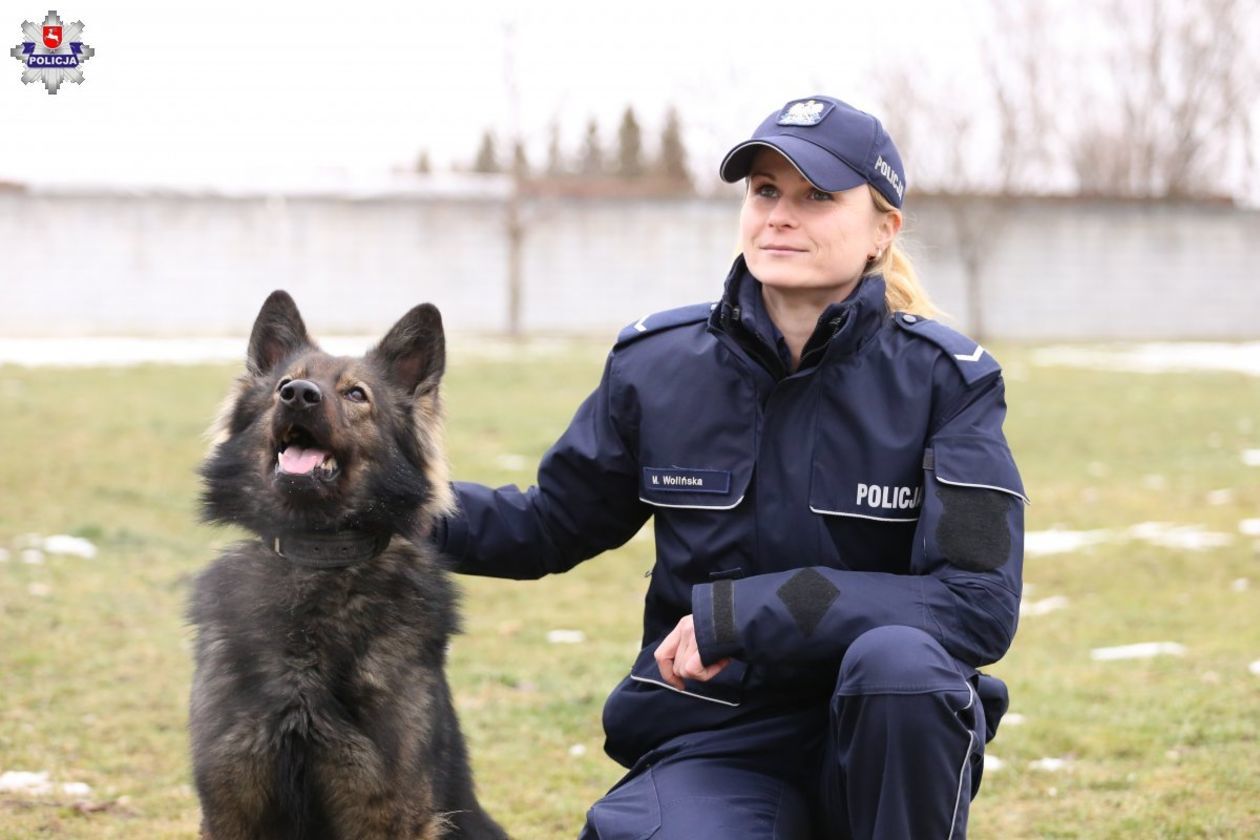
972, 360
659, 321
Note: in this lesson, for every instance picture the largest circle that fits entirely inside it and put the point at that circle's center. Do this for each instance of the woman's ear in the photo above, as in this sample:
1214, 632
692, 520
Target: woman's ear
887, 229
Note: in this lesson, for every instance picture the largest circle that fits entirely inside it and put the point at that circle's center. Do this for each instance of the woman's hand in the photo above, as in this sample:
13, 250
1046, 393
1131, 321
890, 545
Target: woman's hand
678, 656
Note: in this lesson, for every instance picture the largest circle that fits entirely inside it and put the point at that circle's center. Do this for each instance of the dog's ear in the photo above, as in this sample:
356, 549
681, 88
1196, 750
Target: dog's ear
413, 352
278, 333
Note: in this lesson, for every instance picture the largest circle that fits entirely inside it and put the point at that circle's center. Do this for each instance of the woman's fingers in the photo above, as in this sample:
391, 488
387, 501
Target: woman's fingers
665, 654
678, 656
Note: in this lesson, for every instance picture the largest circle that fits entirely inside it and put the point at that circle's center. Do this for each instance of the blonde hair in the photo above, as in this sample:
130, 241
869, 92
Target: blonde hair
903, 291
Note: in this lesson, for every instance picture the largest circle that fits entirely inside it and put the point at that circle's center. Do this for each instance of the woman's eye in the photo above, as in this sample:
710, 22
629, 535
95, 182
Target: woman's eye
766, 191
356, 394
819, 195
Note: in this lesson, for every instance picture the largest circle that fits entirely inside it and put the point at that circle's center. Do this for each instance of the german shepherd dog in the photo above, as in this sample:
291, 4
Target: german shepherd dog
320, 709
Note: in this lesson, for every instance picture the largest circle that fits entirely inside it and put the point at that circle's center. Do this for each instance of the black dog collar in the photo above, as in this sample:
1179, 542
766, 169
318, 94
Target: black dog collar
327, 551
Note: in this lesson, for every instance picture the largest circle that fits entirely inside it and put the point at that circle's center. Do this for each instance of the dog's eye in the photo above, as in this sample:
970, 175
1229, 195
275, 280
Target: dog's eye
356, 394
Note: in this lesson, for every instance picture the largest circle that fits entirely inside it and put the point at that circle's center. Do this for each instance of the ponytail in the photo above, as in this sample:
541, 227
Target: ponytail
903, 291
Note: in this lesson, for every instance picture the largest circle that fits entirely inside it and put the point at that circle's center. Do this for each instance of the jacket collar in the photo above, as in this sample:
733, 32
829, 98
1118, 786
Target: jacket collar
842, 327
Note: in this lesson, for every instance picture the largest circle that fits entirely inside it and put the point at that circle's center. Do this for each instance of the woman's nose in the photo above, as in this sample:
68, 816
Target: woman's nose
781, 215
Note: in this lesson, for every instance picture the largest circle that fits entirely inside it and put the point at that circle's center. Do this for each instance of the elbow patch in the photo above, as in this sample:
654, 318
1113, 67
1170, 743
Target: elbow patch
807, 596
973, 531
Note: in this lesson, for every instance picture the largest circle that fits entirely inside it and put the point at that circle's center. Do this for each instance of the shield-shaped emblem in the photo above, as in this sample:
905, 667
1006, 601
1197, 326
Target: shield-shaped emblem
52, 37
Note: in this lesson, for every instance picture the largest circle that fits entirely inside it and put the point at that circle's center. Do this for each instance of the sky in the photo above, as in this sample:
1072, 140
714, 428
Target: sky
202, 92
198, 90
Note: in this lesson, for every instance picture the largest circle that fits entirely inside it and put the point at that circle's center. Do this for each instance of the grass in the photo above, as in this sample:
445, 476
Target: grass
94, 660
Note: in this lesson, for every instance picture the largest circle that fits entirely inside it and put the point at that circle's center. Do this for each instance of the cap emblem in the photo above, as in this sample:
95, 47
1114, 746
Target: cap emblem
805, 112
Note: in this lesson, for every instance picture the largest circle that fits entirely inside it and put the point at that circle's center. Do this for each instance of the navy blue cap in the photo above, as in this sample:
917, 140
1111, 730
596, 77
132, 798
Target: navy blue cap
834, 145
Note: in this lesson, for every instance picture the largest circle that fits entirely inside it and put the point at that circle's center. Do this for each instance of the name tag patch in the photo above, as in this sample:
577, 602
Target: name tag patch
687, 480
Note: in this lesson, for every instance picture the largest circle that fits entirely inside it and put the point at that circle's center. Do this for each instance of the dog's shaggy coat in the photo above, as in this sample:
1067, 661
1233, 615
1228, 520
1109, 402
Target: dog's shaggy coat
320, 708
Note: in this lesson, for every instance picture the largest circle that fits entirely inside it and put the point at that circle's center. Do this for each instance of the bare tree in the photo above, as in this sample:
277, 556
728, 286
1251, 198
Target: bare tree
946, 153
555, 157
1178, 121
592, 162
1163, 110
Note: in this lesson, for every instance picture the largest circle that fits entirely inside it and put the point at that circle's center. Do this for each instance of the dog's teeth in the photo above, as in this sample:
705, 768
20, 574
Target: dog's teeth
330, 463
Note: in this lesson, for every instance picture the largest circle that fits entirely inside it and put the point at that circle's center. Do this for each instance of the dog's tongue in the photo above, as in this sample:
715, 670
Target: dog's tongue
301, 461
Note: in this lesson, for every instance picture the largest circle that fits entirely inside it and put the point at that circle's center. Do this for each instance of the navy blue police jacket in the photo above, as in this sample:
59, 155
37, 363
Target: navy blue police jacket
792, 511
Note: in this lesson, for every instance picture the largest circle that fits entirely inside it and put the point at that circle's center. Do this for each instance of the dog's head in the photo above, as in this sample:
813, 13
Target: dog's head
313, 442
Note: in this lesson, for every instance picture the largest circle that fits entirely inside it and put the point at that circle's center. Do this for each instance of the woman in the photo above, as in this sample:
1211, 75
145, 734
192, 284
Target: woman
838, 521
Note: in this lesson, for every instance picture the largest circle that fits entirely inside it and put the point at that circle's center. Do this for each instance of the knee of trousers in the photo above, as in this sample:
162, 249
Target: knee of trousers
897, 660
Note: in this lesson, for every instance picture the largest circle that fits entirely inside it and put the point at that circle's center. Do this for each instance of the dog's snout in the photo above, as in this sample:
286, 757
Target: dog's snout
301, 393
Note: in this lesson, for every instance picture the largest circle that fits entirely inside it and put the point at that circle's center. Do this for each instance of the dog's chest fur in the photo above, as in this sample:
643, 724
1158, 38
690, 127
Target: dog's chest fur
292, 640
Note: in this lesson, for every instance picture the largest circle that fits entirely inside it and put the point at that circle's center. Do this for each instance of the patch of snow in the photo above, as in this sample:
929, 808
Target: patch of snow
508, 461
1220, 497
1013, 719
577, 750
1251, 457
1240, 585
1254, 667
1042, 607
64, 544
4, 555
566, 637
1188, 537
992, 763
1058, 541
1049, 765
1250, 527
1158, 357
1141, 650
39, 784
32, 556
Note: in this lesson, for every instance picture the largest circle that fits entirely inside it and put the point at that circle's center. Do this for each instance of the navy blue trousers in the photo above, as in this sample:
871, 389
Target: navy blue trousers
898, 754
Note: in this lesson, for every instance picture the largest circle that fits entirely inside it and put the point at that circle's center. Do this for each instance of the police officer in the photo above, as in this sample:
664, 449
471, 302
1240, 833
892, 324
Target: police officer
838, 521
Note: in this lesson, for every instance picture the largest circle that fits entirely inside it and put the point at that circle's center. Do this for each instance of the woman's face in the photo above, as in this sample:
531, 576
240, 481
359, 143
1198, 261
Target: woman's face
797, 237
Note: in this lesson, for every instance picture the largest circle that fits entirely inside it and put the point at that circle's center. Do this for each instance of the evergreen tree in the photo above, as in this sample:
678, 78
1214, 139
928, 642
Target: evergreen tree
630, 147
592, 155
520, 160
487, 159
672, 165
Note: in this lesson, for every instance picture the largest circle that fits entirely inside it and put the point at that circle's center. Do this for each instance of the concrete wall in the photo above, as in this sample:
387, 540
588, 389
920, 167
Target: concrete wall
102, 263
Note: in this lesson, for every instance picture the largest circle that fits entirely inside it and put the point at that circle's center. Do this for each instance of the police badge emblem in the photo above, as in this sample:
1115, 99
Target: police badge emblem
804, 112
52, 53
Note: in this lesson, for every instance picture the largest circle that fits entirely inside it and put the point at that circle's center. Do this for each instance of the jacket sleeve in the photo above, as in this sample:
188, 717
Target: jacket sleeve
965, 571
586, 500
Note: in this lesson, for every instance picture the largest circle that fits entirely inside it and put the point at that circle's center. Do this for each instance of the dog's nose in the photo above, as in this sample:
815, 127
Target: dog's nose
301, 393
